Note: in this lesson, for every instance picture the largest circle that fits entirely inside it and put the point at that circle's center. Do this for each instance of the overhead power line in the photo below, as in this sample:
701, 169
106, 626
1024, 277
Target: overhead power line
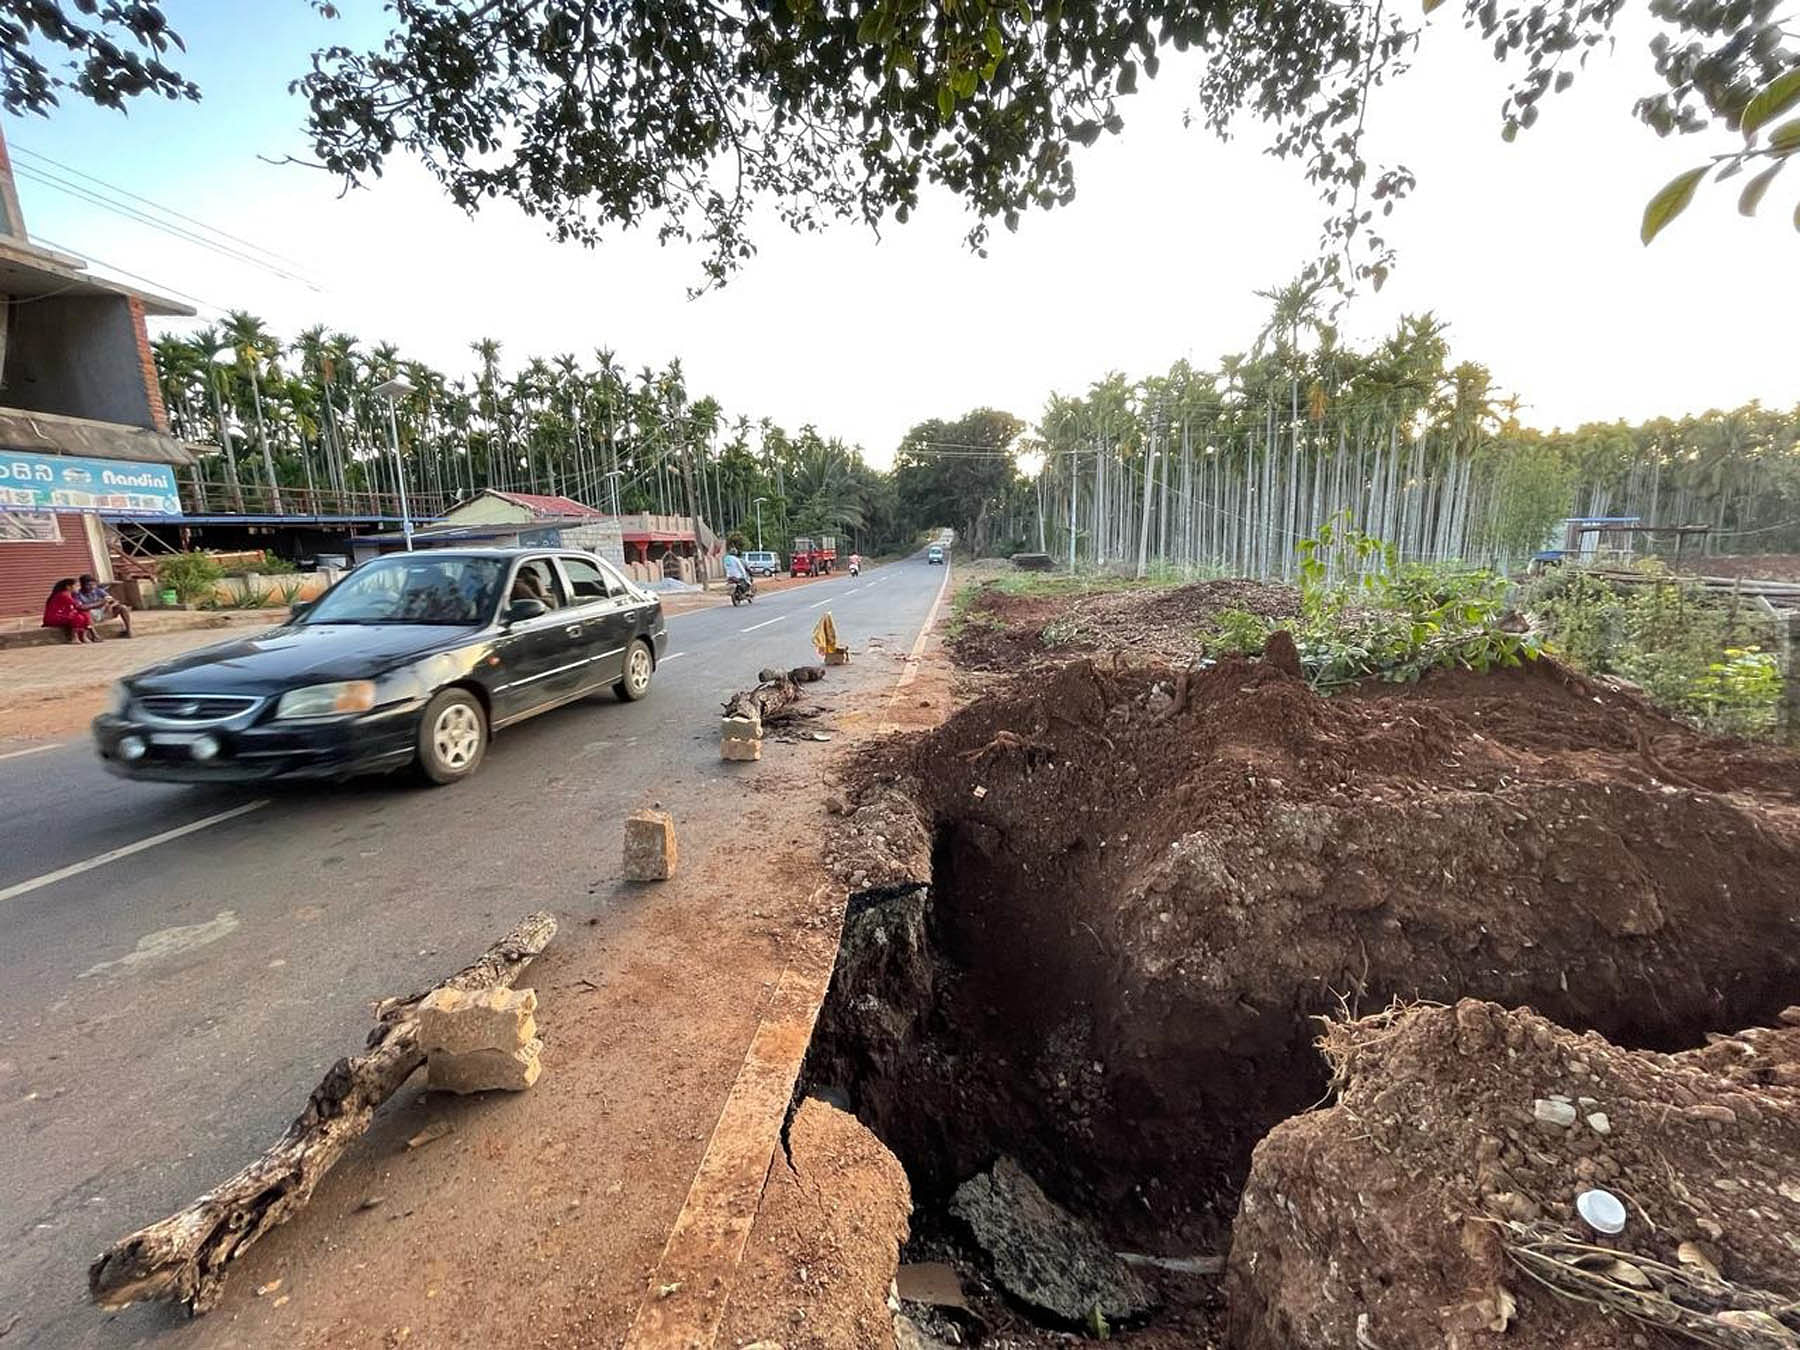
166, 210
174, 231
153, 284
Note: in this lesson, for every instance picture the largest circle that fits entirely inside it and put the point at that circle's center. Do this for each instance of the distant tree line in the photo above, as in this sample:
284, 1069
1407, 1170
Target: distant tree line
1202, 470
1228, 469
300, 426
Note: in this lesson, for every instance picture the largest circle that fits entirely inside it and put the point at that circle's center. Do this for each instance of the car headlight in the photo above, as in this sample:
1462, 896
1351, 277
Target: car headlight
328, 700
119, 699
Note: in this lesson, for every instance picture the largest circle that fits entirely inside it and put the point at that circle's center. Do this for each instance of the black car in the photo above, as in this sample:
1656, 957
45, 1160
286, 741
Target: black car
412, 659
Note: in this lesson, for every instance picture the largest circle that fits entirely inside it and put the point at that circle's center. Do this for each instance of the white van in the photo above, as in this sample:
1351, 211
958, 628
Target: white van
761, 562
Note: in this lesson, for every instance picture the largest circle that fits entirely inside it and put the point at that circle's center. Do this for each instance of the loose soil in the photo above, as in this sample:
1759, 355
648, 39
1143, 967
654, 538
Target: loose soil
1405, 1214
1001, 631
1099, 911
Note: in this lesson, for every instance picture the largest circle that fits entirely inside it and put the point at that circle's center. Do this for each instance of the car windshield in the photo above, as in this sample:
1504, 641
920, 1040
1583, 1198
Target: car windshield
415, 588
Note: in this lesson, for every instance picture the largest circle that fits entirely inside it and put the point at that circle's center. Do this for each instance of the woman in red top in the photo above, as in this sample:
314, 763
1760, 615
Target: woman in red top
62, 611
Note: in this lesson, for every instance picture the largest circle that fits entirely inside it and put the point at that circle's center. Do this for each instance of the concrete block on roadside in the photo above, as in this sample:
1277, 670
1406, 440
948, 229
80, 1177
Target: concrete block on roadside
485, 1070
740, 728
838, 656
460, 1022
649, 846
745, 752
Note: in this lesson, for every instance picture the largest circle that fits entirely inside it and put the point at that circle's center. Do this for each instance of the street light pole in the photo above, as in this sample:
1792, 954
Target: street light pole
612, 480
759, 502
392, 391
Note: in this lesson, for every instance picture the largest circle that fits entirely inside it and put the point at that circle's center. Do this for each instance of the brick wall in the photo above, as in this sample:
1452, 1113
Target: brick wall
159, 415
27, 570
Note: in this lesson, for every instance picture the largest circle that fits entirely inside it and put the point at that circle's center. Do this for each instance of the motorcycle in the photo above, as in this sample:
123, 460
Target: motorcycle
856, 569
743, 591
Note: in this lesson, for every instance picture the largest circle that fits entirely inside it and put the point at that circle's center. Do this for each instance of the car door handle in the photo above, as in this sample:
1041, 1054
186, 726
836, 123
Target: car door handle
573, 630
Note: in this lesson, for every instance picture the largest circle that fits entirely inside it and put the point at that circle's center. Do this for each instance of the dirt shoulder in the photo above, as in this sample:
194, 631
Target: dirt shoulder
56, 690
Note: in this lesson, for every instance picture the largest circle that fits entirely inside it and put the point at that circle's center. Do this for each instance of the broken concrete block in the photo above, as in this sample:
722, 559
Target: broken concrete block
458, 1021
745, 728
838, 656
1044, 1255
740, 738
484, 1070
649, 846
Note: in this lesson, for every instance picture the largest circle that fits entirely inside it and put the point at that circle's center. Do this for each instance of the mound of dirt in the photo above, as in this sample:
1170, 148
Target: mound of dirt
1433, 1205
1144, 883
1002, 632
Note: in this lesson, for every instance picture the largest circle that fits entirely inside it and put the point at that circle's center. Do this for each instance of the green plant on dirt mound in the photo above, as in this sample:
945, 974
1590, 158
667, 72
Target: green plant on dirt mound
1235, 632
1691, 652
1364, 615
190, 574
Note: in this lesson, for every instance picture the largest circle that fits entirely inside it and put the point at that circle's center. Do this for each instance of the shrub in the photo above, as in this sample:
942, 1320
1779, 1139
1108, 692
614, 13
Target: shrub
1364, 615
1235, 632
1687, 651
190, 574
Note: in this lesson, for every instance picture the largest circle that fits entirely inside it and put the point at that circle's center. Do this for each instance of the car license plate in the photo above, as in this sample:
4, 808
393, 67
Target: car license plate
182, 738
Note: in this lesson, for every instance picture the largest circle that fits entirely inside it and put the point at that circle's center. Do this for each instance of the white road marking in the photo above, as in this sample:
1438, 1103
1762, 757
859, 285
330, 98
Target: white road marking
672, 656
14, 891
815, 604
764, 624
33, 750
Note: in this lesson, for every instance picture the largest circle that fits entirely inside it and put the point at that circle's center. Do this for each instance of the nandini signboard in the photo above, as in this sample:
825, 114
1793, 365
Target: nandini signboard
64, 483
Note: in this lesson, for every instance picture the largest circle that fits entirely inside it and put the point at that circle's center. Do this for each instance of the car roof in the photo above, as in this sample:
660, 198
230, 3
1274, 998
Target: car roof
511, 551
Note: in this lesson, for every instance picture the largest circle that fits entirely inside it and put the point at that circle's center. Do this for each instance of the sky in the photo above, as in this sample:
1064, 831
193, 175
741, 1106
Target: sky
1528, 251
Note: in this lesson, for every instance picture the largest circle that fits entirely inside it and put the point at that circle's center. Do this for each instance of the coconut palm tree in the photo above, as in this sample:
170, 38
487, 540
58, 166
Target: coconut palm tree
250, 338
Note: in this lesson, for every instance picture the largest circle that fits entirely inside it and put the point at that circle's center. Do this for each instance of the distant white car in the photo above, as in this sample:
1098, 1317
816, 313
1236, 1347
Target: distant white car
762, 562
935, 554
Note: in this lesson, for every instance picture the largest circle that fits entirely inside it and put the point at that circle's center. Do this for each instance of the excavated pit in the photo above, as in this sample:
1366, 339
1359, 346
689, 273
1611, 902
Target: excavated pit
1106, 907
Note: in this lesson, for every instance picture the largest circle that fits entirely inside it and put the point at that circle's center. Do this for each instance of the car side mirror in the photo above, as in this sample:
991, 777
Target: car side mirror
299, 609
520, 610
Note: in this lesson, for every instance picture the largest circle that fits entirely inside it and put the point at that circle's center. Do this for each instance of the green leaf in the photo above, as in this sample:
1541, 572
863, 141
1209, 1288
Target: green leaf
1751, 197
1785, 139
946, 101
995, 49
1670, 202
1432, 4
1773, 99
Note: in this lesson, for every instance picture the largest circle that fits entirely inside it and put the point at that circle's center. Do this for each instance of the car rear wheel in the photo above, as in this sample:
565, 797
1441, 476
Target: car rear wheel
639, 664
453, 736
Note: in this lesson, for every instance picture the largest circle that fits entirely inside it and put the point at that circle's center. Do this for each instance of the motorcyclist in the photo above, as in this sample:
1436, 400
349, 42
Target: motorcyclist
855, 563
738, 575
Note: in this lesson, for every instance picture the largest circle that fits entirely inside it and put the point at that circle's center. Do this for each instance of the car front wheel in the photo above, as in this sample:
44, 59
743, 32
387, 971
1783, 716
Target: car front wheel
638, 666
453, 737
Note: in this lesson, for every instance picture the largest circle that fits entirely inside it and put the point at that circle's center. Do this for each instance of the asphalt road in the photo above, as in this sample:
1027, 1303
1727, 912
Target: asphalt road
163, 1013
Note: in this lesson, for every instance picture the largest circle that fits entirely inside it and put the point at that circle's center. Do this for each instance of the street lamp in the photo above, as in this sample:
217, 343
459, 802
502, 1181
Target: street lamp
391, 392
612, 481
759, 502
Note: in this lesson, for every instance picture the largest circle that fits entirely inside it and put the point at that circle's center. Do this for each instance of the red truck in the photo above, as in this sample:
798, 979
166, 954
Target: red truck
812, 557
